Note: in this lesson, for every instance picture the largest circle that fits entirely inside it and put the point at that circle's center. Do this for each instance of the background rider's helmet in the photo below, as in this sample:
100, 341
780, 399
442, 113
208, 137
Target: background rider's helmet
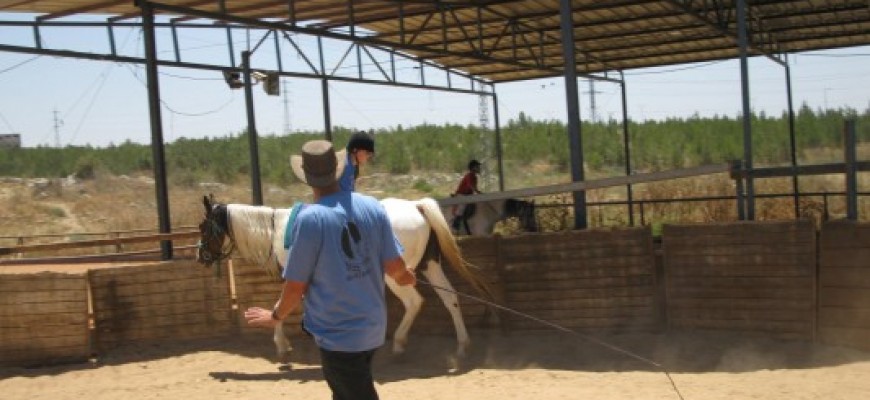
473, 163
361, 141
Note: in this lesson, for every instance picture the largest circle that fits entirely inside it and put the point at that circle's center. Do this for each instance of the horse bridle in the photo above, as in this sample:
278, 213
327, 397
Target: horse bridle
214, 231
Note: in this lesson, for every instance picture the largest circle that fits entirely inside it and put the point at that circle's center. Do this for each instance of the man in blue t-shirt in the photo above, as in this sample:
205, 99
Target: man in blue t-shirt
342, 247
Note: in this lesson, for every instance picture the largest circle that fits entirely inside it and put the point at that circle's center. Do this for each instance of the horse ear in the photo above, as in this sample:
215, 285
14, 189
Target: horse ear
207, 203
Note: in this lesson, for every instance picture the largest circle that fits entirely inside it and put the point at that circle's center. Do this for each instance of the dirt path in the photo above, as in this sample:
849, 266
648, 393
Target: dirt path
518, 366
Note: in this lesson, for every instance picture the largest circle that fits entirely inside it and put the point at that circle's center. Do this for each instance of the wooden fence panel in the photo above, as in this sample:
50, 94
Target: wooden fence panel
482, 255
172, 300
583, 280
255, 288
43, 319
756, 277
844, 284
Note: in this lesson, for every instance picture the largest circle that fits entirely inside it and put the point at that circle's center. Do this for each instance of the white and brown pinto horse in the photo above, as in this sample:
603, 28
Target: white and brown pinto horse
256, 233
479, 218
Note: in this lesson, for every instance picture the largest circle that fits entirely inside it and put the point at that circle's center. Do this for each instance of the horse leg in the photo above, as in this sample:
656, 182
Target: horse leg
413, 301
436, 277
282, 343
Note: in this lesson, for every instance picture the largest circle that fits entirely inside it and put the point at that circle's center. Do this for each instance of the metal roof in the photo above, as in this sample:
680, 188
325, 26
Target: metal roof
509, 40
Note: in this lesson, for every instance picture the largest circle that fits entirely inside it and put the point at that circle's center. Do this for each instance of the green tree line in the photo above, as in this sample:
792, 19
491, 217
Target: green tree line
655, 145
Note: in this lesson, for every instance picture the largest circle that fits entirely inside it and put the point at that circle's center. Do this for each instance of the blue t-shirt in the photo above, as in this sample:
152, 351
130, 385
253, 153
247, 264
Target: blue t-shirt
347, 180
339, 248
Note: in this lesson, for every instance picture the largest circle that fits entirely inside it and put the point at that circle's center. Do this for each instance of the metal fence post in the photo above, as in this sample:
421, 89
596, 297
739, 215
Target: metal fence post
851, 170
737, 173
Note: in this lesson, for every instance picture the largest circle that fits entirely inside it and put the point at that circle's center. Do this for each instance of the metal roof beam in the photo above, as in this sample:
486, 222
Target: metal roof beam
579, 37
82, 9
330, 35
722, 22
247, 7
136, 14
220, 68
425, 7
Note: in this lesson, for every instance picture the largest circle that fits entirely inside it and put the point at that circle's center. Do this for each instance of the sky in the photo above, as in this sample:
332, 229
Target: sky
51, 101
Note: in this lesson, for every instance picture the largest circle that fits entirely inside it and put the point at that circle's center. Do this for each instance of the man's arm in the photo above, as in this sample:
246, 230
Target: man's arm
291, 296
397, 270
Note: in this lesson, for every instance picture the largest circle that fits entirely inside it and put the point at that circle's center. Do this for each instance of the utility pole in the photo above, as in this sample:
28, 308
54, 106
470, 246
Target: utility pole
592, 108
57, 124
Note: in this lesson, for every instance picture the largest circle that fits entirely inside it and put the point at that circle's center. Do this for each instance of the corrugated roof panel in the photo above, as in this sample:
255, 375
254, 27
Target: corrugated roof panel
517, 39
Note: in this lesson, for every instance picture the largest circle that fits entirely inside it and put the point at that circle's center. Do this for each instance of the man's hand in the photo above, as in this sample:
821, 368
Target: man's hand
260, 317
397, 270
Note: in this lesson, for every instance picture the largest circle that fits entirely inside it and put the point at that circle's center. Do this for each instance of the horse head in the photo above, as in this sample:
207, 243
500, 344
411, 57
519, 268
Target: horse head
524, 211
213, 232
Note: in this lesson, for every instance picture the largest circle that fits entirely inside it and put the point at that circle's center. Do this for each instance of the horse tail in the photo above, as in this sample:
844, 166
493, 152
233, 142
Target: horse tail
450, 249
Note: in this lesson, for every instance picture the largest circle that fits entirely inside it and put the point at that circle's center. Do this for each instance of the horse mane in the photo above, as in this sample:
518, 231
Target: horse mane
258, 232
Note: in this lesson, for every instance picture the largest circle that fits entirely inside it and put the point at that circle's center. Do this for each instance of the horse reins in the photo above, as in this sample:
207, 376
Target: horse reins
214, 232
563, 329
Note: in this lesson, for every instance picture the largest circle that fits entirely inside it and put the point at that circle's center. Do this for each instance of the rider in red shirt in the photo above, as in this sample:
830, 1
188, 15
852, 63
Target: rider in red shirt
467, 186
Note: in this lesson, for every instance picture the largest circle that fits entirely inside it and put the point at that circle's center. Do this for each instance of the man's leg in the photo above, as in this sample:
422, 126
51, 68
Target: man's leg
349, 374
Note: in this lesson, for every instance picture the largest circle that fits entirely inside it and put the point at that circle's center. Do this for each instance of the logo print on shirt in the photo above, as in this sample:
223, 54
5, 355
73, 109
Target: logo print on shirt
357, 256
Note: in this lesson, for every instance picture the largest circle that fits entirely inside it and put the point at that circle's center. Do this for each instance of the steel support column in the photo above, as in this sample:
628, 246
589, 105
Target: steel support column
791, 141
743, 43
626, 145
327, 120
850, 157
573, 104
324, 88
498, 152
256, 187
157, 153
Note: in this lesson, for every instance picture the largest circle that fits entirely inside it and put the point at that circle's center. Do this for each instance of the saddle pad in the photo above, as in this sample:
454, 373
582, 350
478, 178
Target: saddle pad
288, 240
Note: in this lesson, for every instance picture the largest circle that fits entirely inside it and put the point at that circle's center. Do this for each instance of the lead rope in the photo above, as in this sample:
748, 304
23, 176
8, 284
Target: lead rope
566, 330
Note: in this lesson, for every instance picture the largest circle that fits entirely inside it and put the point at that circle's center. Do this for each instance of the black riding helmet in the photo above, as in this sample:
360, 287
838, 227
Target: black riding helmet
473, 163
361, 141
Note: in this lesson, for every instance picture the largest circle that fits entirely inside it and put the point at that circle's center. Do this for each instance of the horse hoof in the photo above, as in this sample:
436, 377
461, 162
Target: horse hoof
284, 356
462, 349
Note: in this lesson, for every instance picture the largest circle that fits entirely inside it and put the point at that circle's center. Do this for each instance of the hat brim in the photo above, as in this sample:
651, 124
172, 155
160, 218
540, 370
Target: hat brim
319, 181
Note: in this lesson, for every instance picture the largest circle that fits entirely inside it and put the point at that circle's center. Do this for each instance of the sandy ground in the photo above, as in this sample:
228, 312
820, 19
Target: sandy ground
499, 366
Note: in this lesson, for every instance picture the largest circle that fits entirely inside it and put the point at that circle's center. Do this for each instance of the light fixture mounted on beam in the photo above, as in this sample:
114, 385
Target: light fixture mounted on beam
233, 78
270, 81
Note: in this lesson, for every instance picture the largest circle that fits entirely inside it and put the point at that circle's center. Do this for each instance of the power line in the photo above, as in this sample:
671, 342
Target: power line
105, 77
19, 64
11, 129
835, 55
675, 69
174, 111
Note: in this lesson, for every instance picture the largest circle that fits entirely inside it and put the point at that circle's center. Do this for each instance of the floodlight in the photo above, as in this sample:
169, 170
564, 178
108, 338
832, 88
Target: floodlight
271, 84
259, 75
233, 78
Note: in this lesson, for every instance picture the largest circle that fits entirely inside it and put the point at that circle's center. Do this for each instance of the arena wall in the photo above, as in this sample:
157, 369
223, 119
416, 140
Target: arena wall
844, 284
751, 277
172, 300
585, 280
255, 288
43, 319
